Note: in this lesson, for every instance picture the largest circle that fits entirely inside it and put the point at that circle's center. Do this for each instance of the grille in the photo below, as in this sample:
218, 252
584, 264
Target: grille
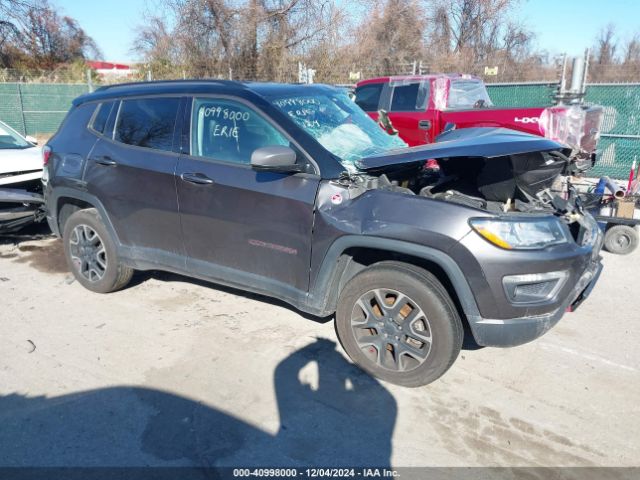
540, 289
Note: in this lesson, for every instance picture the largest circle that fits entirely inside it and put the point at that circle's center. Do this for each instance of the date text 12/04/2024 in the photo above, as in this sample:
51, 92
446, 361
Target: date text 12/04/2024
316, 472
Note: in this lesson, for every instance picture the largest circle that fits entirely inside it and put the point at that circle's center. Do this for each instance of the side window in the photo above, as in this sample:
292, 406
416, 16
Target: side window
229, 131
368, 96
412, 97
147, 122
468, 94
102, 115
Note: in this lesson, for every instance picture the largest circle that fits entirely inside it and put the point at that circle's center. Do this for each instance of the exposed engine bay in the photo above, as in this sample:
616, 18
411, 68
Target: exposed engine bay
522, 183
493, 169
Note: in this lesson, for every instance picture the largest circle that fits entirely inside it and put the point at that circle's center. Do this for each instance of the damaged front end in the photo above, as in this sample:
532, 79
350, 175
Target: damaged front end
493, 209
496, 170
19, 208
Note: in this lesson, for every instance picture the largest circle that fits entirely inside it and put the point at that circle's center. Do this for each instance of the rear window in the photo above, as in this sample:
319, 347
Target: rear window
102, 115
411, 97
147, 122
368, 96
468, 94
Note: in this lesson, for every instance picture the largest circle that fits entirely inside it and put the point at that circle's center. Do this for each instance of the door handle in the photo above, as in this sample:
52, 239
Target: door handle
197, 178
105, 160
424, 124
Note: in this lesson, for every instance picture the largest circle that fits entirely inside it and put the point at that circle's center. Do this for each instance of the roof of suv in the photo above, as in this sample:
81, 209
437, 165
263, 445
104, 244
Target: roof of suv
228, 87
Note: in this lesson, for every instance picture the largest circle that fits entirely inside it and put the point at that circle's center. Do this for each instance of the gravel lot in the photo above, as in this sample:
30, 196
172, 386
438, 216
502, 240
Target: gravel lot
172, 371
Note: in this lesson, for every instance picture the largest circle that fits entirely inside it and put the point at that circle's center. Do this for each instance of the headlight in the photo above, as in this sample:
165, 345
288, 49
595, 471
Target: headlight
520, 233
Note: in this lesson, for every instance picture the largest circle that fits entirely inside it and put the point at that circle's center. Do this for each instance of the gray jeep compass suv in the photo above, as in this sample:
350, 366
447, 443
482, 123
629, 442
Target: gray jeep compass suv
292, 191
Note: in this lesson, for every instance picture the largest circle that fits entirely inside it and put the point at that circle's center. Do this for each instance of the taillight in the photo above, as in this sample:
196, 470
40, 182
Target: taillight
46, 153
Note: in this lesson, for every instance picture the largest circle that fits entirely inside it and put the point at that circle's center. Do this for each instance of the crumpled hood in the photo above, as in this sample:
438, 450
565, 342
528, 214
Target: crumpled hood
17, 160
466, 142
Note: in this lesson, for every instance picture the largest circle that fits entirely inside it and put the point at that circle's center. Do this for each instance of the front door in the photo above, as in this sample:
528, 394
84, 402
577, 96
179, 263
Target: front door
241, 225
408, 111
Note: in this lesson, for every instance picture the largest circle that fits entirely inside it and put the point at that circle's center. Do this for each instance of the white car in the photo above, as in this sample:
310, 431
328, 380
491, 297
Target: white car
20, 159
20, 180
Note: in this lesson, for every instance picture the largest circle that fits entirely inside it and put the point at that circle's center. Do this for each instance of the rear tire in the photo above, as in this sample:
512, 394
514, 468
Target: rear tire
621, 239
91, 253
398, 323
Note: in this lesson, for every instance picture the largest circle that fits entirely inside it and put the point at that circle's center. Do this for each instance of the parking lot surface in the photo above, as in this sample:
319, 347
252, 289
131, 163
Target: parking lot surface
172, 371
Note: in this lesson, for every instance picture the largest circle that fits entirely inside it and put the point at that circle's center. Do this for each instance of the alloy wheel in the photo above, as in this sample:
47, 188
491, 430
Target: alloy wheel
391, 329
88, 253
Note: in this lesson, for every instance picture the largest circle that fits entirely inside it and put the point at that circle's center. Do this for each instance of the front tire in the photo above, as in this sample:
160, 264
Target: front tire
91, 253
398, 323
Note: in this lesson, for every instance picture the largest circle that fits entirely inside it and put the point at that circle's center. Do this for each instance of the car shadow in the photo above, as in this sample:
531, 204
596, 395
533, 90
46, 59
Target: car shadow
342, 417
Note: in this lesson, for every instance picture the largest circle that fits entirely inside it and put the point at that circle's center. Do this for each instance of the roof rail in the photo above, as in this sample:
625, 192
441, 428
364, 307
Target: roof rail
157, 82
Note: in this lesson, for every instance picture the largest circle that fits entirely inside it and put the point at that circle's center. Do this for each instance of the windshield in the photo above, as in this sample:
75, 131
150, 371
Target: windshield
10, 139
468, 94
339, 125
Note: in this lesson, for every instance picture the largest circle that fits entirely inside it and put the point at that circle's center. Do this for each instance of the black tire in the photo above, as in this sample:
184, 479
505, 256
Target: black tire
621, 239
422, 290
95, 263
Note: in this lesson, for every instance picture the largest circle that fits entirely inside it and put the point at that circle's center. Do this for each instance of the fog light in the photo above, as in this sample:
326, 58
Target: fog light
535, 288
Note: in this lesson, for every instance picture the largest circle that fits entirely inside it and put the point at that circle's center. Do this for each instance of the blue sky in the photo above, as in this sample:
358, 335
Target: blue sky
561, 25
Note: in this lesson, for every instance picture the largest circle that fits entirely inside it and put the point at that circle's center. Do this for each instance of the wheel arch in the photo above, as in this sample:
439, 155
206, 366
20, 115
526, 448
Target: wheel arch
66, 201
351, 254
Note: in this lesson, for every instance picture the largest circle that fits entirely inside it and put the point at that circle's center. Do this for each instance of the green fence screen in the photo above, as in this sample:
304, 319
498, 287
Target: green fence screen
38, 109
522, 94
620, 138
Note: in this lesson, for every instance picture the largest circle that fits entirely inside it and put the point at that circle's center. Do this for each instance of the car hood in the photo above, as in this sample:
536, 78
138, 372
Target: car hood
467, 142
20, 160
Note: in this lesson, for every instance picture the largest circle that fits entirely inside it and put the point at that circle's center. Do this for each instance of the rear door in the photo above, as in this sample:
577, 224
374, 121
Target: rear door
408, 111
241, 225
131, 170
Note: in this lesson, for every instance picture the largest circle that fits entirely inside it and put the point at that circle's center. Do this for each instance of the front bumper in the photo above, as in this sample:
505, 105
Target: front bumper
516, 331
19, 208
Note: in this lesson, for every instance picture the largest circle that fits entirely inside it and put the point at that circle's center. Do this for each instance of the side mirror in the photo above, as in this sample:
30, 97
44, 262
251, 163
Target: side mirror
31, 139
275, 158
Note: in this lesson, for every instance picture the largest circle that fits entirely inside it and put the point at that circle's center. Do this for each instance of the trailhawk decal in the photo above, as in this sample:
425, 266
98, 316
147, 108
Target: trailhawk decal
273, 246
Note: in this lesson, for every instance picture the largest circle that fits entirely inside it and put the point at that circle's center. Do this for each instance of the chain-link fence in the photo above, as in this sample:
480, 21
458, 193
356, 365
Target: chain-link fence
619, 143
38, 108
340, 72
527, 94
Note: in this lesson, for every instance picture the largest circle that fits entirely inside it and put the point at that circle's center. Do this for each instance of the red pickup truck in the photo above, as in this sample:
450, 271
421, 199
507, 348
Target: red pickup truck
422, 107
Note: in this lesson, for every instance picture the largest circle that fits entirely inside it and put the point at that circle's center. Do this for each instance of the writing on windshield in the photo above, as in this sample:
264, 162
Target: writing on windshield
339, 125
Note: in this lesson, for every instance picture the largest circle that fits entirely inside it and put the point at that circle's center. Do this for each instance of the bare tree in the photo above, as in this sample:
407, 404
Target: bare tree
605, 47
479, 26
632, 51
10, 12
244, 38
40, 38
397, 33
265, 39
